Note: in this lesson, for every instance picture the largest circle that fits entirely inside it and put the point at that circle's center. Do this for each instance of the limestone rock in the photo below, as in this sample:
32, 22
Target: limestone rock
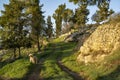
102, 42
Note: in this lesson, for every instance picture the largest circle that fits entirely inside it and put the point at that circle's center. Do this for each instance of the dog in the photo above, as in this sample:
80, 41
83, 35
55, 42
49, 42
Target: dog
33, 59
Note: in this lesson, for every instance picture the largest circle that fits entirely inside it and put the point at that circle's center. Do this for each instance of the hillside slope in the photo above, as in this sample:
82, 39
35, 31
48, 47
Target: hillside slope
58, 60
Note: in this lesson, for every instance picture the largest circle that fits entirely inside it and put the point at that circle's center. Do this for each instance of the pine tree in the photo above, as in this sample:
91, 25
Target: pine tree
12, 22
89, 2
81, 15
103, 13
49, 27
37, 21
67, 14
58, 18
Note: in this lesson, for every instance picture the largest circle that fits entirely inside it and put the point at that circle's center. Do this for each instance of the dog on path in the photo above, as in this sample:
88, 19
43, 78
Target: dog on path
33, 59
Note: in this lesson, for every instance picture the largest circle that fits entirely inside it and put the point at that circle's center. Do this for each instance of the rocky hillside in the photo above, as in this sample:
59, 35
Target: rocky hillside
101, 43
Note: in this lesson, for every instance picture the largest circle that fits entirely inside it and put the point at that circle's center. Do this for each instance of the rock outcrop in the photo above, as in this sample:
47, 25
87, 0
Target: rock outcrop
81, 35
102, 42
74, 37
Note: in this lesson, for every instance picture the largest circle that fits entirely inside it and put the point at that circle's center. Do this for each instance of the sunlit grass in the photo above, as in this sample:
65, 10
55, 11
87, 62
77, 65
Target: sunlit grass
17, 69
50, 69
105, 70
97, 71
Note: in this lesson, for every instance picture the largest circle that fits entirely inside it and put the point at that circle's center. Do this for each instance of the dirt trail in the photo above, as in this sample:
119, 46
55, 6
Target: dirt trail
35, 73
74, 75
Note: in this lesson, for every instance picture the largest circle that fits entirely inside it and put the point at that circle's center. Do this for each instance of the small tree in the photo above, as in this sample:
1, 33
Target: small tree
37, 21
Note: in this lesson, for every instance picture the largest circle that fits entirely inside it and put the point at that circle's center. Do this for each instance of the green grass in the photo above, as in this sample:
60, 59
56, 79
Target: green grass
98, 71
61, 50
105, 70
50, 69
17, 69
111, 67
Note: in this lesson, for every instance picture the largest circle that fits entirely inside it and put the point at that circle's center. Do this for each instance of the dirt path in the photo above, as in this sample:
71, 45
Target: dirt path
74, 75
35, 73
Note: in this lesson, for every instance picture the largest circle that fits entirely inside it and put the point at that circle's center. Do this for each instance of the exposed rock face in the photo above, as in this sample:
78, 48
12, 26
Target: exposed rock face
103, 41
74, 37
81, 35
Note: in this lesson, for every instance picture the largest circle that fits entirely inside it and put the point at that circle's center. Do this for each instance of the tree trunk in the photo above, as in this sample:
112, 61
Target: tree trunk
14, 54
38, 44
19, 52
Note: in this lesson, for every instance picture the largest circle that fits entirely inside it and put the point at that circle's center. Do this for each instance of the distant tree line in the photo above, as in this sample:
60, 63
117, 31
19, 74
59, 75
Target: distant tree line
79, 18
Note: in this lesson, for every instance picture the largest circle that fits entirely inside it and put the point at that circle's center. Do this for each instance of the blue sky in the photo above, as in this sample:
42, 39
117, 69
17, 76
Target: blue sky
51, 5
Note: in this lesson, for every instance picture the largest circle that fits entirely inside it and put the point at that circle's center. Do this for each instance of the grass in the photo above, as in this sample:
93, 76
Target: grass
17, 69
98, 71
51, 70
112, 70
106, 70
